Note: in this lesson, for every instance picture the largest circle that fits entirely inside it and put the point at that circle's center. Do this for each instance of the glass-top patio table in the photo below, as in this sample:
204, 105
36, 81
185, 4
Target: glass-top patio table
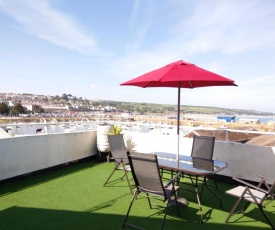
193, 166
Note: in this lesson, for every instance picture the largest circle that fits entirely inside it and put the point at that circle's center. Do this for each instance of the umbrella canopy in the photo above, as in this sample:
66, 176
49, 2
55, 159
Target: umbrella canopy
179, 75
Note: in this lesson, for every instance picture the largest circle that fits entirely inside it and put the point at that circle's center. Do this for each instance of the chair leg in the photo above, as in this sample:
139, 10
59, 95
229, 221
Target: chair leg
149, 201
110, 176
124, 175
164, 218
132, 201
191, 179
215, 183
127, 178
266, 217
233, 210
203, 184
176, 201
161, 172
245, 207
172, 174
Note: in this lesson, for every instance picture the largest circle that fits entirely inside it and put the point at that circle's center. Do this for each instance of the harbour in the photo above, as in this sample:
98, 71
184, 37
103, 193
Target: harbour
147, 124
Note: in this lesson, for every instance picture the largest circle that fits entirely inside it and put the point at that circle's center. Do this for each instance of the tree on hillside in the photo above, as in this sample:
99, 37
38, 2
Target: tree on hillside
17, 109
64, 97
40, 109
4, 109
86, 102
95, 103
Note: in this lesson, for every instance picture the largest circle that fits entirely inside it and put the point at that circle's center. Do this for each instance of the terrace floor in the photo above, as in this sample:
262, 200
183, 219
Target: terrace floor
73, 197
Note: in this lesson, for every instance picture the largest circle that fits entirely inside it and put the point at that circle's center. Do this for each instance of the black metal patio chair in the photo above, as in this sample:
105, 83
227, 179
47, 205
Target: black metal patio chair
203, 147
146, 174
253, 195
119, 155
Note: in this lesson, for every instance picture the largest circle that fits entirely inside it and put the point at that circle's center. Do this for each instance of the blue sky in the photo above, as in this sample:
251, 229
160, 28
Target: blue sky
87, 48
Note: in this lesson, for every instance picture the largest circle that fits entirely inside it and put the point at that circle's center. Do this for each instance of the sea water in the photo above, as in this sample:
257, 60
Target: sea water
262, 119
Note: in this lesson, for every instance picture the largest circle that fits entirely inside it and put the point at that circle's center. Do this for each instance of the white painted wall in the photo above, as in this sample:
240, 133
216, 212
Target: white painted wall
24, 154
243, 159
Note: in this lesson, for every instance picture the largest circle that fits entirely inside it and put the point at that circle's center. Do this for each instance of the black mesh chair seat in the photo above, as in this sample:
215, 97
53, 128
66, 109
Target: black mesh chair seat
168, 191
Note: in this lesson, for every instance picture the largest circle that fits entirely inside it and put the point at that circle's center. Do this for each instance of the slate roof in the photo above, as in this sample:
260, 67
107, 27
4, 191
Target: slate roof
263, 140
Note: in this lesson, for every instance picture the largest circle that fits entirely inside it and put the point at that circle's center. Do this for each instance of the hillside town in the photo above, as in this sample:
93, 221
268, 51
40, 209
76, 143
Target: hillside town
27, 107
46, 103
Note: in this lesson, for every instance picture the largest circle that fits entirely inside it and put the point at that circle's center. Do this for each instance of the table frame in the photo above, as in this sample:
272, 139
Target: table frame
185, 166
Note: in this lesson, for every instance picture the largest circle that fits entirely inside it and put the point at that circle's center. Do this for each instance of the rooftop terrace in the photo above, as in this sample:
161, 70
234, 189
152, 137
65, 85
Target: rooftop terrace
73, 197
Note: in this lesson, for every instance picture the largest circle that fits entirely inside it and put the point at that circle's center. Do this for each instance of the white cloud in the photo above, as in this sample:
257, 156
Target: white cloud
223, 27
141, 21
93, 86
135, 10
227, 26
40, 19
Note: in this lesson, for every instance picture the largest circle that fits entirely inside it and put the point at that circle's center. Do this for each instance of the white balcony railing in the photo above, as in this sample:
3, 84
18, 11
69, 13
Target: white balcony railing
24, 154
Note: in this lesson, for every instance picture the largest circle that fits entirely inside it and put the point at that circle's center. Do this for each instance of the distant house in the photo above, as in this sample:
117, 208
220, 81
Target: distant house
56, 107
109, 108
226, 118
125, 115
6, 102
31, 107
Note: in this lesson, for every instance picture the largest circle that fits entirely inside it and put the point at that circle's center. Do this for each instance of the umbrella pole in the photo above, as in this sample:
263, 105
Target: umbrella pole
178, 126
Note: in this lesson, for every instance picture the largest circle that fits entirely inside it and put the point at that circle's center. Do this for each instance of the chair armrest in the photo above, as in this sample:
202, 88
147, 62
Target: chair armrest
172, 180
251, 185
258, 175
120, 158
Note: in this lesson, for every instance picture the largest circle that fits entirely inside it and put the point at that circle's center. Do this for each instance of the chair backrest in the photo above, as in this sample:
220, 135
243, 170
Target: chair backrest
205, 164
146, 174
203, 147
118, 148
271, 190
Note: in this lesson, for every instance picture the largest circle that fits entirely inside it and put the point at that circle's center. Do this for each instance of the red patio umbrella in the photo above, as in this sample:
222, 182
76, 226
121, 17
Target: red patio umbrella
179, 75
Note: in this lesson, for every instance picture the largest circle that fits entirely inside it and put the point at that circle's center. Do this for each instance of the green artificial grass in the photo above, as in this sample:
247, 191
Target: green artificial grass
74, 198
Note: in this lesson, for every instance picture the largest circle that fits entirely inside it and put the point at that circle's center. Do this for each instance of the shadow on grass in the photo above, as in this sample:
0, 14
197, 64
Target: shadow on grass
108, 203
211, 204
32, 218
